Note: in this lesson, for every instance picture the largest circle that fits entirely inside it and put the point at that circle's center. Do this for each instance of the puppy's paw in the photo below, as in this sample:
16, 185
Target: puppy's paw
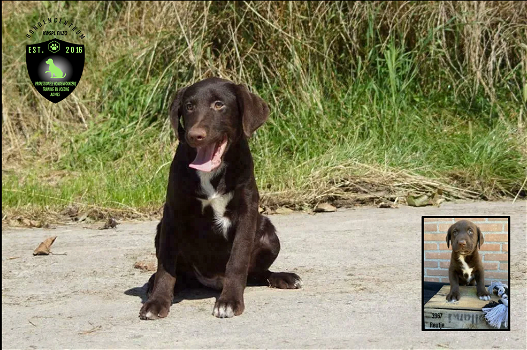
154, 309
285, 280
453, 296
483, 295
228, 308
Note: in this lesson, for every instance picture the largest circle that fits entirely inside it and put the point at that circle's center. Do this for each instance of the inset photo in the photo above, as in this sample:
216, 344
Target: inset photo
465, 270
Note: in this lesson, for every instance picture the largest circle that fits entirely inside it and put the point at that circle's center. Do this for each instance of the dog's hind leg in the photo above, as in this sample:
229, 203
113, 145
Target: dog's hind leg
265, 250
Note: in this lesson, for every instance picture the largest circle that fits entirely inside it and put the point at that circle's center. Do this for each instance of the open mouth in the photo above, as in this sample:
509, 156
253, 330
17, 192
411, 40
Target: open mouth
208, 157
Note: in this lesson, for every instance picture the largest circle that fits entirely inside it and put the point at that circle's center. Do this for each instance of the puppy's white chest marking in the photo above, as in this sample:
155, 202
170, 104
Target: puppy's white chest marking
467, 271
218, 202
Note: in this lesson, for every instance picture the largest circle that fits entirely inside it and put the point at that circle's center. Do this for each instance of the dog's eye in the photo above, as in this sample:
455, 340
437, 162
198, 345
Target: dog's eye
454, 232
218, 105
189, 106
470, 231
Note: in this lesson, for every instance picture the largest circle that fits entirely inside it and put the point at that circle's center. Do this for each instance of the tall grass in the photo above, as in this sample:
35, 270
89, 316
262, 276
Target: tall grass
437, 89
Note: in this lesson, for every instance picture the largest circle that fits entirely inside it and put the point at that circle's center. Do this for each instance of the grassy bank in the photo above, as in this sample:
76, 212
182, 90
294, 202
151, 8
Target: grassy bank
367, 99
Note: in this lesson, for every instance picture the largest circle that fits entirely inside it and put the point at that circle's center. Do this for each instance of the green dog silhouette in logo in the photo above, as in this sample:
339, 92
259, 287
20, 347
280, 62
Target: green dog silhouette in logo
55, 71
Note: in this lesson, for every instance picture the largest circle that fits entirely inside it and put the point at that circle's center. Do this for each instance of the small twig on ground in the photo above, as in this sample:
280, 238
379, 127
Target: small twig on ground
91, 330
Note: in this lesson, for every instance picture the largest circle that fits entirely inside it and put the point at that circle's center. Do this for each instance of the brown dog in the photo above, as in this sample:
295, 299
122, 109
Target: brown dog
466, 267
211, 229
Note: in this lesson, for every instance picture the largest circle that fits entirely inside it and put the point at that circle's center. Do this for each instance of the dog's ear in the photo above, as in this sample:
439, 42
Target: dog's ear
253, 109
449, 236
481, 240
175, 113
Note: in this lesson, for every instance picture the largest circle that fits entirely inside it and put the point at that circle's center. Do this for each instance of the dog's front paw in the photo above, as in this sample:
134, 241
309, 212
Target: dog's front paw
285, 280
154, 309
483, 295
453, 296
225, 308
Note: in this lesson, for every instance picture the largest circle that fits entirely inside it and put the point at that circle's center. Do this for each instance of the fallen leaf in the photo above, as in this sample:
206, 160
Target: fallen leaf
44, 247
146, 265
24, 222
424, 199
418, 201
71, 211
387, 204
82, 217
260, 210
33, 223
325, 207
110, 223
437, 198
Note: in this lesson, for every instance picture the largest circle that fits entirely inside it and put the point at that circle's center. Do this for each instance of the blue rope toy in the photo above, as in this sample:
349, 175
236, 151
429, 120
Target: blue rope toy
497, 313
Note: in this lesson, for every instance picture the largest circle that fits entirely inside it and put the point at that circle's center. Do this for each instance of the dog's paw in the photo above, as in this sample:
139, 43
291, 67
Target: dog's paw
285, 280
228, 308
154, 309
483, 295
453, 296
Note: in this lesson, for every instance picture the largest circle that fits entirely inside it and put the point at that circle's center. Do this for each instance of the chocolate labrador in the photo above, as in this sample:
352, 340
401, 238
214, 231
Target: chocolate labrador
466, 267
211, 229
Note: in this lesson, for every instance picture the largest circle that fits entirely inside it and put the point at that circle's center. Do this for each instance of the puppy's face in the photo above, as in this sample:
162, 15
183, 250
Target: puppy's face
465, 237
214, 113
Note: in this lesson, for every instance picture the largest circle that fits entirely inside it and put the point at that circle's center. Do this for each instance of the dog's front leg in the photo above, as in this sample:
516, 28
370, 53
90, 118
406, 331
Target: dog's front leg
160, 299
480, 286
454, 294
230, 303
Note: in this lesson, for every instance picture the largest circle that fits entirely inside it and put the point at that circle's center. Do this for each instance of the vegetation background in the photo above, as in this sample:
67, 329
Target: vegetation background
370, 101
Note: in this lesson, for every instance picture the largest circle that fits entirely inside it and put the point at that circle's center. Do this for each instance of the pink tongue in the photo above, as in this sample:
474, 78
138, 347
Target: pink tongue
208, 160
203, 160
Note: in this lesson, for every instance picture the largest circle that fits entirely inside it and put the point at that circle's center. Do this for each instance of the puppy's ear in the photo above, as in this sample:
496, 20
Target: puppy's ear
175, 113
253, 109
481, 240
449, 236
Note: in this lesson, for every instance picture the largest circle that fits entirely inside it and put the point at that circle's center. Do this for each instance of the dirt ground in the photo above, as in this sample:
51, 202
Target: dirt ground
362, 287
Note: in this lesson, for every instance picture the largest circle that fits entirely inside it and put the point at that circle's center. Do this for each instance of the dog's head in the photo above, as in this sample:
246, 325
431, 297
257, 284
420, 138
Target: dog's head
212, 114
49, 61
465, 236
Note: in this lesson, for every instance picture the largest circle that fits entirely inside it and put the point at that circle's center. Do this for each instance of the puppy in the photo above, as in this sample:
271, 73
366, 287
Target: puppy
466, 267
211, 229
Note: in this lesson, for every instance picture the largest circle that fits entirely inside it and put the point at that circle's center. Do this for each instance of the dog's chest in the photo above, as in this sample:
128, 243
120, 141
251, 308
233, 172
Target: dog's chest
217, 201
467, 271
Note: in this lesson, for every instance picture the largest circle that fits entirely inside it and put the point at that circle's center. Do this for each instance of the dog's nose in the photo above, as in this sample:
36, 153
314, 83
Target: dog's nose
462, 243
197, 136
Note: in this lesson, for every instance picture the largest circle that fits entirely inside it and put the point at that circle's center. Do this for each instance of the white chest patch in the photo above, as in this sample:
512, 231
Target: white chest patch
466, 270
217, 201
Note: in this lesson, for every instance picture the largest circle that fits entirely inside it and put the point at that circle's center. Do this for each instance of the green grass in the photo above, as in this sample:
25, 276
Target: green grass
355, 95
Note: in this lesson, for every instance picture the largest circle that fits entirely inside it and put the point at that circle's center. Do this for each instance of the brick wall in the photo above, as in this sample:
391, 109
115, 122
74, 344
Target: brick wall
494, 252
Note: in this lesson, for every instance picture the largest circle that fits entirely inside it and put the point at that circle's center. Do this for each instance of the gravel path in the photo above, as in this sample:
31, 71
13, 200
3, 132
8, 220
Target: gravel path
362, 287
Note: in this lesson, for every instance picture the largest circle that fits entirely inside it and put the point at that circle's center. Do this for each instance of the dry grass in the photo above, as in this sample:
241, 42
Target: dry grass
367, 186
